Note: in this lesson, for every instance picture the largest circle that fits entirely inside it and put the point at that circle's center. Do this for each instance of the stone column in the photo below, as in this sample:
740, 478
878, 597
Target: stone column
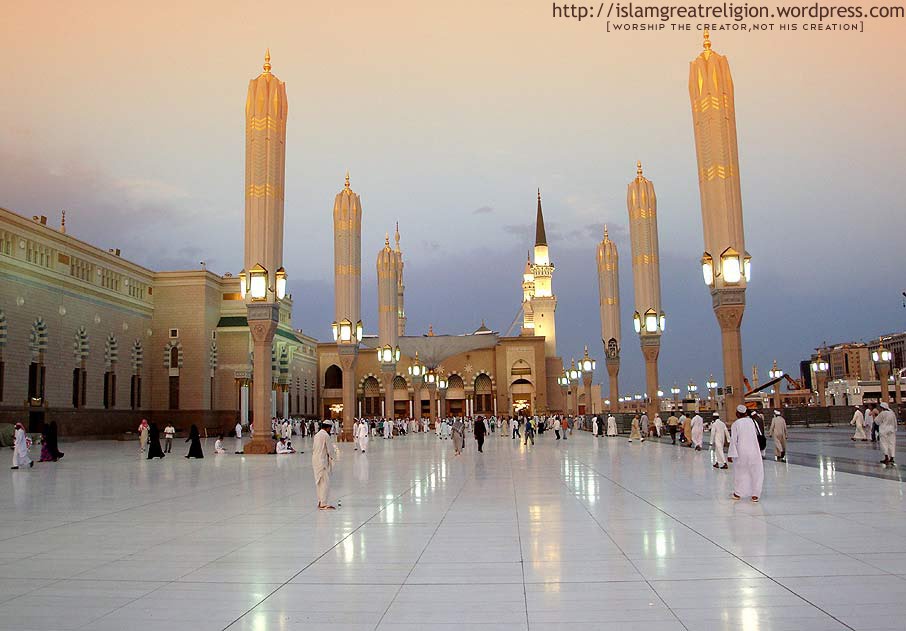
432, 397
587, 378
262, 319
821, 376
884, 376
729, 305
388, 372
613, 371
348, 356
651, 348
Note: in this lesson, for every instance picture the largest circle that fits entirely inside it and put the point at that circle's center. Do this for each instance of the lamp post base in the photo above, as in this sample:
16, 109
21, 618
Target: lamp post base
651, 348
613, 371
348, 354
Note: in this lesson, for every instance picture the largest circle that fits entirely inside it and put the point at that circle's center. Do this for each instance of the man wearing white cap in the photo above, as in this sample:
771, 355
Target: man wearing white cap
887, 432
778, 431
698, 431
745, 454
859, 422
719, 437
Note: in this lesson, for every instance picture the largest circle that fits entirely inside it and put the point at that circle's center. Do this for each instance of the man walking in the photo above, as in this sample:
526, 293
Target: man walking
672, 423
719, 437
323, 455
745, 454
778, 431
887, 431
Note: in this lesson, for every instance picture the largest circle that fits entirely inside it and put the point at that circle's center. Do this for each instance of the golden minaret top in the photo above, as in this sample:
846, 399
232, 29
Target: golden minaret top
386, 240
267, 61
638, 169
347, 180
707, 43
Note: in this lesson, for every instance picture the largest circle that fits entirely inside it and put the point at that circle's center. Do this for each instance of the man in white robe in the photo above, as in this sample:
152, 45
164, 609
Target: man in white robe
779, 432
698, 431
887, 433
745, 454
388, 429
594, 426
719, 437
361, 436
286, 430
611, 425
20, 449
238, 430
658, 425
324, 454
859, 421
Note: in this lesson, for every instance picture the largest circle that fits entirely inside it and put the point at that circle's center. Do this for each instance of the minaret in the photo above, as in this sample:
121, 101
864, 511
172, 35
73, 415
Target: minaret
725, 262
265, 151
347, 256
388, 316
528, 292
543, 303
648, 319
609, 291
401, 288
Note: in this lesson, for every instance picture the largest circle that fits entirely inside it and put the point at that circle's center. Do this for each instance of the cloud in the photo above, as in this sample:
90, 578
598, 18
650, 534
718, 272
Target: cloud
483, 210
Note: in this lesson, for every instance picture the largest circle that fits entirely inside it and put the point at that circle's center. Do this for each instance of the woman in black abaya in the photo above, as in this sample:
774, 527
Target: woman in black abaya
154, 450
195, 446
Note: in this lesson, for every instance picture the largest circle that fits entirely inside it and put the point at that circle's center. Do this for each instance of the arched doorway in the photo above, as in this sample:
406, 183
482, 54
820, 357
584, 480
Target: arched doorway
400, 398
484, 403
522, 397
371, 397
456, 396
333, 377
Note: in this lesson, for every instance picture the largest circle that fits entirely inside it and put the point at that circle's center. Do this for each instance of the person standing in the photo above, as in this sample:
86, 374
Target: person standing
698, 432
564, 426
238, 431
745, 454
779, 432
872, 414
859, 422
154, 450
611, 425
286, 430
634, 432
557, 429
887, 432
645, 425
361, 436
720, 435
686, 424
323, 455
594, 426
480, 430
458, 435
529, 431
672, 423
194, 441
658, 425
20, 448
169, 433
514, 427
143, 430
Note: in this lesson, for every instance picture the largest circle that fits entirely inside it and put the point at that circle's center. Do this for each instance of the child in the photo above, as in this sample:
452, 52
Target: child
218, 445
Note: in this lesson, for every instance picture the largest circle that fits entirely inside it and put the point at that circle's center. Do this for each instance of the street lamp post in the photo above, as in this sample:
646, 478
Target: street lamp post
416, 374
442, 392
819, 367
712, 390
563, 382
431, 382
347, 336
776, 373
881, 358
675, 392
693, 392
587, 365
388, 356
574, 374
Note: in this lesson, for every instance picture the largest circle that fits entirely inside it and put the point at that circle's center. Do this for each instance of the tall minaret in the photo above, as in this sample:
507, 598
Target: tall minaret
544, 303
265, 152
347, 256
401, 288
388, 319
648, 319
528, 292
609, 291
725, 262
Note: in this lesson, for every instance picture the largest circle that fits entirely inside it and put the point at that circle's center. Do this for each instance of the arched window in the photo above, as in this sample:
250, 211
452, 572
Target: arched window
484, 403
521, 367
333, 377
371, 392
174, 357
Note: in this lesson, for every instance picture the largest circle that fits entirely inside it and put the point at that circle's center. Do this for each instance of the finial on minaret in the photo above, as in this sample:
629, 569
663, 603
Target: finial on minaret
267, 61
707, 43
63, 223
387, 240
430, 330
539, 194
347, 179
606, 236
638, 168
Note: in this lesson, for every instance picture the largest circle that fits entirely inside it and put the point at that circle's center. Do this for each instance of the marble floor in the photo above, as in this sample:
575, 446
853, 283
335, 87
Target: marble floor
591, 533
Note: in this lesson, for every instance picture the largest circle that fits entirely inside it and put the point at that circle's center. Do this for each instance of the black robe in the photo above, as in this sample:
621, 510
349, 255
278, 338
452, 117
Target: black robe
52, 446
154, 450
195, 446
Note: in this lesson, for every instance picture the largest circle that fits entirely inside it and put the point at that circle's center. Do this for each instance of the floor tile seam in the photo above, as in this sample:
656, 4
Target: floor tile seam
528, 623
465, 481
348, 535
678, 520
625, 556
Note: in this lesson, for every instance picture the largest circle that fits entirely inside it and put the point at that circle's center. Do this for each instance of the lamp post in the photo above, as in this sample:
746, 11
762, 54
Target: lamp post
587, 365
388, 356
881, 358
712, 389
776, 373
347, 335
431, 383
675, 392
693, 392
819, 367
563, 382
416, 374
442, 384
574, 374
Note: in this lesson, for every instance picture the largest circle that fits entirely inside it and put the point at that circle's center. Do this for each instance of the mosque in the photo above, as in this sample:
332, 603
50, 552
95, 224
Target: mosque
97, 342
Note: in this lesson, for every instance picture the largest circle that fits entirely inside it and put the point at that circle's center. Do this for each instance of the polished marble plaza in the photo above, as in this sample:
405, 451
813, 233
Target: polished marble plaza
591, 533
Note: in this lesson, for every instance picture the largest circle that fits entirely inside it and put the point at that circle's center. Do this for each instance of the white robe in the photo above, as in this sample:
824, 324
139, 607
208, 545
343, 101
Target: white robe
361, 436
218, 447
282, 448
286, 431
388, 430
20, 450
323, 455
748, 467
698, 430
859, 422
594, 426
611, 425
719, 437
238, 438
658, 424
887, 433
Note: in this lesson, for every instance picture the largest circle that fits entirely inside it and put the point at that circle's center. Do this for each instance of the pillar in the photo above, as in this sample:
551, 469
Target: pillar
388, 373
884, 376
729, 318
348, 356
651, 348
613, 371
262, 319
244, 403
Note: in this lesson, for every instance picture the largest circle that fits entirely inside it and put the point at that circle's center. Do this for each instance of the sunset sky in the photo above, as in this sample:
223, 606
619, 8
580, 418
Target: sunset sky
449, 116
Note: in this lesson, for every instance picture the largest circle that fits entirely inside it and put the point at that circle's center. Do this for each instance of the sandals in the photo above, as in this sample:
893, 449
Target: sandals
327, 508
754, 499
735, 497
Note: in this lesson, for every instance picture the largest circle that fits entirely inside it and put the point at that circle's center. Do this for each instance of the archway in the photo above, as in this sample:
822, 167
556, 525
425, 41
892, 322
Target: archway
333, 377
522, 397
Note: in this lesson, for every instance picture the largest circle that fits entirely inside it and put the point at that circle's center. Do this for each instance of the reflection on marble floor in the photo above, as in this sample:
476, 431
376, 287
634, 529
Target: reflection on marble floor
591, 533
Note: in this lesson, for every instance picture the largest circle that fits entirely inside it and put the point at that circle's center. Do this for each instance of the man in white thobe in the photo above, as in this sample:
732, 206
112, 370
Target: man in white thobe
779, 432
887, 432
859, 422
594, 426
238, 430
286, 430
388, 428
719, 437
611, 425
324, 453
361, 436
658, 424
20, 449
745, 454
698, 431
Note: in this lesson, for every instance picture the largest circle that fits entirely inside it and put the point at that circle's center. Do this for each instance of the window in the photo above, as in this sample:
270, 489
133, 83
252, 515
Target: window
174, 333
333, 377
174, 357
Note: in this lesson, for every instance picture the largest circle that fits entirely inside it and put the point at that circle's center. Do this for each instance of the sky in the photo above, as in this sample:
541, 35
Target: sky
449, 117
